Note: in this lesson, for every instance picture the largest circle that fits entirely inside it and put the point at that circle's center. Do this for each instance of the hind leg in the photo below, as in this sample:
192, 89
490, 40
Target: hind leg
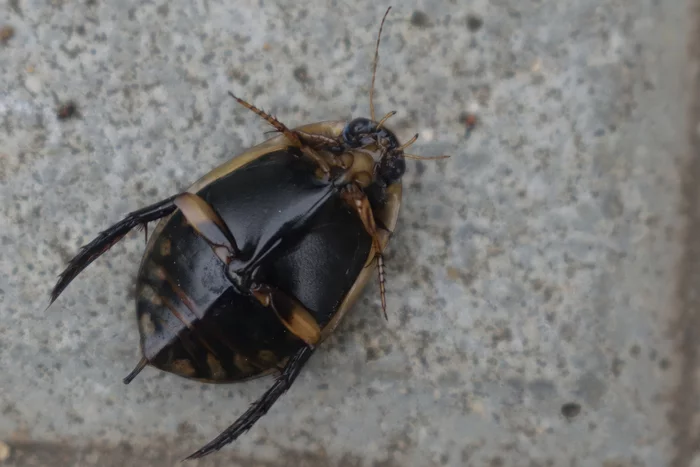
109, 238
261, 406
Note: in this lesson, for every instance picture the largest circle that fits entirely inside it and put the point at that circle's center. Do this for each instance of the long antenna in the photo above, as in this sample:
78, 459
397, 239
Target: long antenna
374, 67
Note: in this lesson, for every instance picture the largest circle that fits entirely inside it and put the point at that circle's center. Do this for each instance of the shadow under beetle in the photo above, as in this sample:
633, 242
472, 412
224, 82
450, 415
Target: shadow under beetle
256, 263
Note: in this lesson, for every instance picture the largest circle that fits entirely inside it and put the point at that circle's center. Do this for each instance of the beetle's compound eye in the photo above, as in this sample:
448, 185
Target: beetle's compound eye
357, 130
363, 132
392, 167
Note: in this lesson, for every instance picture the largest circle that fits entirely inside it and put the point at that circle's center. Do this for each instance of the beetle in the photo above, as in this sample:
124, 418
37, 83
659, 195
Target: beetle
254, 265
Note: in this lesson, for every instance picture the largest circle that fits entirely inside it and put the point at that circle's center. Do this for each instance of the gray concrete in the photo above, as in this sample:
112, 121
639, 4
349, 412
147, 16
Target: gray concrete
537, 267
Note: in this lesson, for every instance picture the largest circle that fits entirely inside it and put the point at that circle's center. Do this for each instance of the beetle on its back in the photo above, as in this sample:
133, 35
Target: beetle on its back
255, 264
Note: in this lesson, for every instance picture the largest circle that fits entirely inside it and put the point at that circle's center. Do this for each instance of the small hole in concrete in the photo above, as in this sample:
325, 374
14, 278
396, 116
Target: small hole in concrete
570, 409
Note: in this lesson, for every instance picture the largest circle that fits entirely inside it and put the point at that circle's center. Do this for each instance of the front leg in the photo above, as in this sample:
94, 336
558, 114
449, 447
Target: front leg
294, 137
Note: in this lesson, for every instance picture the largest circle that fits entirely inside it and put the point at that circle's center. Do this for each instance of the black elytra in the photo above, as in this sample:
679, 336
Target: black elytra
256, 263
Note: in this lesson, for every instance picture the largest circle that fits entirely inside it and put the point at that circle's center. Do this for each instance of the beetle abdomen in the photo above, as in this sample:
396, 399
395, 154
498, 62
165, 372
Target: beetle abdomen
297, 236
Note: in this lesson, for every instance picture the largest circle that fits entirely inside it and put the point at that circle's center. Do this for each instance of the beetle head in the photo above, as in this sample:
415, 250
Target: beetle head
362, 133
368, 134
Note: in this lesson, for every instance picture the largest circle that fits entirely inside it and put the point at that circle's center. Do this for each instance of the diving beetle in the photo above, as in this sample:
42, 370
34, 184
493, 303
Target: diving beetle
255, 264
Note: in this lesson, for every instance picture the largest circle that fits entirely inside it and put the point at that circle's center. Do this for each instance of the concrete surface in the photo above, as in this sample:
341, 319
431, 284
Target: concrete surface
544, 268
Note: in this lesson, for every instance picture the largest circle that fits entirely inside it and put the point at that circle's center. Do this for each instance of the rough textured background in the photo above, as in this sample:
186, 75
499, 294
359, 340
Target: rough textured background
545, 264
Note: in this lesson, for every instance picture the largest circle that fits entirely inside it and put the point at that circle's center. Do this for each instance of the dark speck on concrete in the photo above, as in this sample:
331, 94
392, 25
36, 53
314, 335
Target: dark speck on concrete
301, 74
635, 350
420, 19
570, 409
617, 366
371, 354
163, 9
474, 23
14, 4
67, 110
503, 334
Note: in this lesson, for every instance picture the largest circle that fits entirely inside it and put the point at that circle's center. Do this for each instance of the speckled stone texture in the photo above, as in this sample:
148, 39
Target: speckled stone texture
533, 281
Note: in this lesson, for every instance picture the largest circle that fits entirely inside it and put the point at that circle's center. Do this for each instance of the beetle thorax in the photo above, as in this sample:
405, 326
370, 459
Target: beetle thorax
361, 166
369, 153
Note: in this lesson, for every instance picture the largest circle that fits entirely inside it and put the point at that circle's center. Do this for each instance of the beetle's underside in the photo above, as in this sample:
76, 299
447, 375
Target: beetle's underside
256, 263
211, 314
255, 324
222, 342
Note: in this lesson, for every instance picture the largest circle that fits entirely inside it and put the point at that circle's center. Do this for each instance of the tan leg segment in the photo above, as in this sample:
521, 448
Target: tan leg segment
358, 201
279, 126
295, 317
291, 135
322, 164
208, 224
211, 227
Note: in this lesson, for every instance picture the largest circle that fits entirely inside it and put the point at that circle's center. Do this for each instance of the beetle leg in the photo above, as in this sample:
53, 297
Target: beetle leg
144, 227
293, 136
316, 140
359, 202
260, 407
107, 239
279, 126
208, 224
293, 315
316, 157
